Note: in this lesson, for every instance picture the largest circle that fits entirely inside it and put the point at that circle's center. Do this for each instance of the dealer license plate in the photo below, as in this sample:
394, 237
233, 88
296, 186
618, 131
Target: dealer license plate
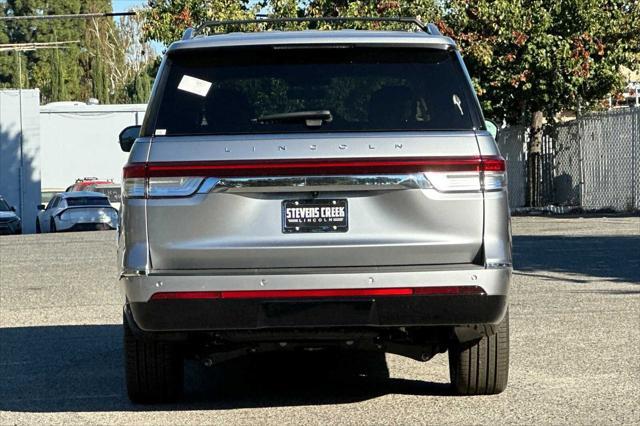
315, 216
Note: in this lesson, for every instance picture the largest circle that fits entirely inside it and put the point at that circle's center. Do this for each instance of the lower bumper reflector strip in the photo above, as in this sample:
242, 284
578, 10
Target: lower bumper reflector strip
320, 293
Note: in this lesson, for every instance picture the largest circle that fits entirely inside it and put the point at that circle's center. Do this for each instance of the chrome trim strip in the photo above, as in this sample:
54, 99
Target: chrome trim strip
498, 265
131, 274
207, 185
313, 183
316, 270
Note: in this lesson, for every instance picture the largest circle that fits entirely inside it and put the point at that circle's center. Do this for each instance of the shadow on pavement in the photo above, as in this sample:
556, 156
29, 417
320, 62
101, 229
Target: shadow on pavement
612, 292
80, 368
603, 258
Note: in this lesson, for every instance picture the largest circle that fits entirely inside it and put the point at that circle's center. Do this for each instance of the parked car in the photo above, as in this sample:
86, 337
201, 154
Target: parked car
10, 222
77, 211
107, 187
314, 190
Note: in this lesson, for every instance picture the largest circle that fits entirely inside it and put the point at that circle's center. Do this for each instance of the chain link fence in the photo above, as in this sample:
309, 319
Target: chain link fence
592, 162
512, 142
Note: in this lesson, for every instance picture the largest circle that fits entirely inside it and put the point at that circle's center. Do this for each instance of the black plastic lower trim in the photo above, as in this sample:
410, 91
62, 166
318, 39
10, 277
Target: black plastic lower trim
8, 230
252, 314
79, 227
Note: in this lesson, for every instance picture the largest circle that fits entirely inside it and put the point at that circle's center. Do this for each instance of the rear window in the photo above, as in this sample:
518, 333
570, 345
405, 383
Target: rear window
87, 201
261, 90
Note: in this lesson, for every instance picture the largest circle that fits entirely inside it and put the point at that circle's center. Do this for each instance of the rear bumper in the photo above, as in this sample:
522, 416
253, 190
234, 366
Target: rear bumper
91, 226
164, 315
139, 287
10, 228
252, 314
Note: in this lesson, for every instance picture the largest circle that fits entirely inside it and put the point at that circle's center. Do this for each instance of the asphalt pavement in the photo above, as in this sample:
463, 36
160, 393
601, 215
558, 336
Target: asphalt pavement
575, 345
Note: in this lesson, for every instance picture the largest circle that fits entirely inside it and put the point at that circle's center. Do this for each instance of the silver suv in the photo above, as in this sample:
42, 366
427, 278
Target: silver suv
313, 190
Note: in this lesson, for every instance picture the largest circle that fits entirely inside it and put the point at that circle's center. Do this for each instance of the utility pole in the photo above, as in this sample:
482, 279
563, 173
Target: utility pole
21, 168
17, 52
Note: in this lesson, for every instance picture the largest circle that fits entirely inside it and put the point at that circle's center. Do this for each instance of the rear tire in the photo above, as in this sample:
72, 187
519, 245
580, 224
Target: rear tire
52, 226
154, 370
481, 367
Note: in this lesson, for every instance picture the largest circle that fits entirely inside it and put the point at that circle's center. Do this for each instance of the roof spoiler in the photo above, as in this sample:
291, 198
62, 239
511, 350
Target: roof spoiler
427, 28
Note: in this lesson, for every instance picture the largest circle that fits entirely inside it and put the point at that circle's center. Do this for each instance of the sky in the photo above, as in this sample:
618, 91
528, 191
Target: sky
124, 5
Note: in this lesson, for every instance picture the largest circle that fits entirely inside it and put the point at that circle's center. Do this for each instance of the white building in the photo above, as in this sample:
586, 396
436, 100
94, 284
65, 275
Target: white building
79, 140
20, 153
49, 147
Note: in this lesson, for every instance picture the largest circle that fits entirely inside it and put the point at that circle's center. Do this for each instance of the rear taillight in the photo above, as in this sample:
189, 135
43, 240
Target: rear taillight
445, 174
322, 293
494, 173
137, 182
134, 187
160, 187
489, 175
173, 186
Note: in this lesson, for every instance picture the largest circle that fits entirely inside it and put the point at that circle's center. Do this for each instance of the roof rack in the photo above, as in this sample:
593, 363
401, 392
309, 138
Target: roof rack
428, 28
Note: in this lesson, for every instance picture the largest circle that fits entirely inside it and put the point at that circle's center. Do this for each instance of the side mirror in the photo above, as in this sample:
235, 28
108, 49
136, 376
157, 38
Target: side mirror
12, 208
492, 128
41, 206
128, 136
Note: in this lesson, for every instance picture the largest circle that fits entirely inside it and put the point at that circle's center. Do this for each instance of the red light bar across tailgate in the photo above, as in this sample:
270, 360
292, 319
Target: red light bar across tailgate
314, 167
320, 293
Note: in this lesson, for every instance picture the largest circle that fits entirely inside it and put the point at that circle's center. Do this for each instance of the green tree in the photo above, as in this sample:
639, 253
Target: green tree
531, 59
141, 61
8, 60
426, 10
100, 89
50, 72
166, 20
139, 88
58, 85
99, 63
100, 59
142, 85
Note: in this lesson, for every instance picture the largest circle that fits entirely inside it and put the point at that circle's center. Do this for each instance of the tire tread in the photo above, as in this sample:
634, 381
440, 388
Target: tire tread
154, 370
481, 367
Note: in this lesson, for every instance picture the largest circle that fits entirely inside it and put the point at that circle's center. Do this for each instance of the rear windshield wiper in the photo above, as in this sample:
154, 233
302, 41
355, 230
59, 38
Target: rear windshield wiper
310, 118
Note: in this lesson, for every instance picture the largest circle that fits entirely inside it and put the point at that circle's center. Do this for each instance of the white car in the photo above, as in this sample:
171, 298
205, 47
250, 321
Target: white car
77, 211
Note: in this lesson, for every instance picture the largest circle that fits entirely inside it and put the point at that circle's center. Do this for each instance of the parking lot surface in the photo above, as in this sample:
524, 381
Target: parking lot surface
575, 345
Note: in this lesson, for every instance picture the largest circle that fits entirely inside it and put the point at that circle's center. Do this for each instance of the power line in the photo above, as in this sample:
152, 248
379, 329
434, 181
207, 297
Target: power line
35, 46
73, 16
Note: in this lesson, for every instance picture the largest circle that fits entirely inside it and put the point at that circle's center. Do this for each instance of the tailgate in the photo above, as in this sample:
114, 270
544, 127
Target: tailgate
236, 220
375, 142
